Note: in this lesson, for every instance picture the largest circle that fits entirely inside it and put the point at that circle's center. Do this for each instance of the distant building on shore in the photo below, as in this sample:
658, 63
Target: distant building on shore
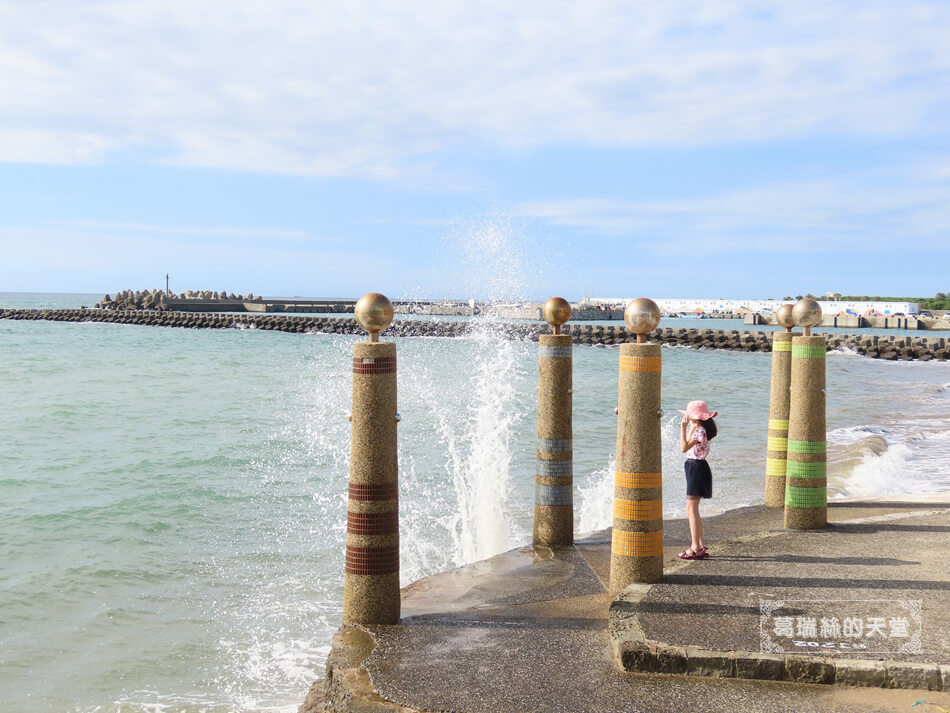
706, 306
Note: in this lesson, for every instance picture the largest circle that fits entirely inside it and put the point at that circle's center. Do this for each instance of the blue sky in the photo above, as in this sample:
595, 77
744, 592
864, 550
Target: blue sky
676, 149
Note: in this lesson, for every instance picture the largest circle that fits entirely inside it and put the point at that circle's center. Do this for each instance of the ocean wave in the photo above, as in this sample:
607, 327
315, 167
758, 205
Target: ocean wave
843, 351
874, 465
854, 434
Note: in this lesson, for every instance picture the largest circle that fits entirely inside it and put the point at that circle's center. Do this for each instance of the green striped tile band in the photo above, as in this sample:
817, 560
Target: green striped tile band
808, 351
794, 469
806, 497
807, 446
783, 346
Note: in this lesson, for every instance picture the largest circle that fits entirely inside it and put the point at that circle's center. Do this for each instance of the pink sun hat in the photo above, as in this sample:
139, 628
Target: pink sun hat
698, 410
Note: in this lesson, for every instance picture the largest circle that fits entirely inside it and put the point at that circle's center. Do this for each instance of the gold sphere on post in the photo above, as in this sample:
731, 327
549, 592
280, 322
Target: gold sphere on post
556, 311
642, 316
807, 313
374, 312
784, 317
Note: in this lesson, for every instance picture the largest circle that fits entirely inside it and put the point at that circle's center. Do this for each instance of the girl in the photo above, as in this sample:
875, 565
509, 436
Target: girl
694, 442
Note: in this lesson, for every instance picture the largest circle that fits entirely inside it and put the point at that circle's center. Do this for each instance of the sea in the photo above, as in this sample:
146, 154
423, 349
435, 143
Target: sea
173, 501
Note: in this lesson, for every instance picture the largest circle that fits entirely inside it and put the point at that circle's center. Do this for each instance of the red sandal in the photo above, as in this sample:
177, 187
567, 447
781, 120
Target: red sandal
689, 555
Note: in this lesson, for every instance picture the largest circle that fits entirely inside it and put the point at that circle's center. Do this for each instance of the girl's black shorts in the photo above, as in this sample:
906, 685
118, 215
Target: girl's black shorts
698, 478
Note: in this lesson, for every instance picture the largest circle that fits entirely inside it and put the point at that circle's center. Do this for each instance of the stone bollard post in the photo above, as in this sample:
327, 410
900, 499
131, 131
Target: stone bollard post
371, 582
806, 488
636, 552
554, 480
778, 408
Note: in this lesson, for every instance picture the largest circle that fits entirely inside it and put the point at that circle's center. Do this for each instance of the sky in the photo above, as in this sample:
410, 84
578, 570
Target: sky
494, 149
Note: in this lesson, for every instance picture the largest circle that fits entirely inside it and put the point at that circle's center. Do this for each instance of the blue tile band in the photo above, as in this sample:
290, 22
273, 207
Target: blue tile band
555, 468
556, 445
553, 494
547, 352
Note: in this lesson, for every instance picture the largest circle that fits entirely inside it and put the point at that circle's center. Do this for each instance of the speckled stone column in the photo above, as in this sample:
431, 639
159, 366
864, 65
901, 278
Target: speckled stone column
806, 486
778, 419
371, 584
554, 477
636, 553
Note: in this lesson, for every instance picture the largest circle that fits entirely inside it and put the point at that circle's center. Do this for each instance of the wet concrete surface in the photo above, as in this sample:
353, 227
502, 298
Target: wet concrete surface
716, 603
527, 631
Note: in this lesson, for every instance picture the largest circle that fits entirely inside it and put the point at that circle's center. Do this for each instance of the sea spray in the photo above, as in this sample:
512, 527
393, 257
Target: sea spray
597, 494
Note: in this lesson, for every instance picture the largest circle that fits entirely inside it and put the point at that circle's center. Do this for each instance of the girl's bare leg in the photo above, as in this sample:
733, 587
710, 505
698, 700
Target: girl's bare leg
695, 522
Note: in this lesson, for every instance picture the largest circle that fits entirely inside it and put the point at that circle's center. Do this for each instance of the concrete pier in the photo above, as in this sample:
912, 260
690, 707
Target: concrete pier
522, 633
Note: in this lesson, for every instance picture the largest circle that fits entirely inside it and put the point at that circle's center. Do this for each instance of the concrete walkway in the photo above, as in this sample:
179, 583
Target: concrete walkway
535, 631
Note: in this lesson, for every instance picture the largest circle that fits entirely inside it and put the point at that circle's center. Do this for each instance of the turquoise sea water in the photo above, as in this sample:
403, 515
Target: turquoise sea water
172, 501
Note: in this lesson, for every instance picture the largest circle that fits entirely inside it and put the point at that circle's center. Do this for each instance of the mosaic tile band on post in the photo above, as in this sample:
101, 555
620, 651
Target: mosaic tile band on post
637, 544
808, 351
549, 352
639, 510
553, 495
555, 468
652, 365
807, 446
775, 467
795, 469
638, 480
797, 497
556, 445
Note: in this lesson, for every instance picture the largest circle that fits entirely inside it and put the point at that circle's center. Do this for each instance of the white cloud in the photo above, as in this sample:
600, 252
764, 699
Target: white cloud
376, 89
54, 147
809, 216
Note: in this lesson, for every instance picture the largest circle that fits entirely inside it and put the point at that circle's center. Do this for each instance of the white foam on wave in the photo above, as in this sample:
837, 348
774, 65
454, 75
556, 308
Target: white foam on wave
596, 499
909, 461
878, 474
843, 351
852, 434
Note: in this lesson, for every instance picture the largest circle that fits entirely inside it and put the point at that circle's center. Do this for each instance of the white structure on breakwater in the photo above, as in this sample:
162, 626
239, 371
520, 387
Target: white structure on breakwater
700, 306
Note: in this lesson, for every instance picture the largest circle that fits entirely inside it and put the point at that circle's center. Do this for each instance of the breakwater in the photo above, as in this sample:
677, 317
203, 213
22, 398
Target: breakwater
890, 347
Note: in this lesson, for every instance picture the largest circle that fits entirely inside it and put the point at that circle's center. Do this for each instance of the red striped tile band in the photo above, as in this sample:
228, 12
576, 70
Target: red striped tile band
372, 523
376, 491
374, 365
372, 560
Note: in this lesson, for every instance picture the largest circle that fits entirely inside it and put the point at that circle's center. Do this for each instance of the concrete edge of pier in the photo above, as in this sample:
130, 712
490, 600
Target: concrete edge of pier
471, 636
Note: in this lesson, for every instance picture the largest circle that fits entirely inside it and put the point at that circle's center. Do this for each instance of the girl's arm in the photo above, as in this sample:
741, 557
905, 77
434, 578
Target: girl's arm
686, 443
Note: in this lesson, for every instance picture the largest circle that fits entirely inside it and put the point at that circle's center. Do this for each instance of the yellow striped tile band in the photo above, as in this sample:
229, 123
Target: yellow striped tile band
775, 443
637, 544
783, 346
638, 480
652, 364
775, 466
778, 424
638, 509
